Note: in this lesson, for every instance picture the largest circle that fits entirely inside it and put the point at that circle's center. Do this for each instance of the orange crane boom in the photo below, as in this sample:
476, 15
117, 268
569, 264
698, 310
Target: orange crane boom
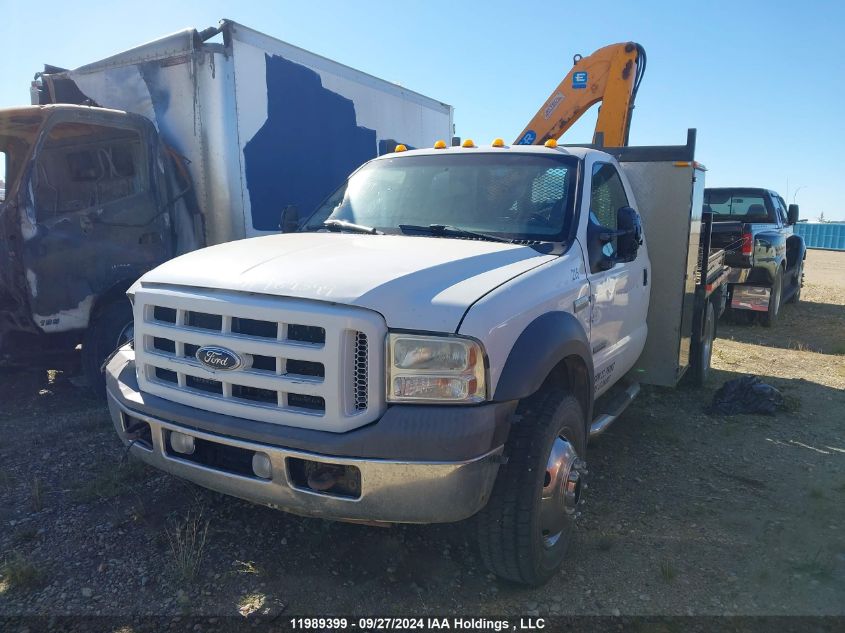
611, 75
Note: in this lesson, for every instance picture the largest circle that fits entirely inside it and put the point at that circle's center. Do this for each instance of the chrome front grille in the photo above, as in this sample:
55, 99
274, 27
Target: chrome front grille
306, 363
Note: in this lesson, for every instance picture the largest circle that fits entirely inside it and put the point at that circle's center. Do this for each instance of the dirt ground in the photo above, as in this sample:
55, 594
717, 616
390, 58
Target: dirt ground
686, 513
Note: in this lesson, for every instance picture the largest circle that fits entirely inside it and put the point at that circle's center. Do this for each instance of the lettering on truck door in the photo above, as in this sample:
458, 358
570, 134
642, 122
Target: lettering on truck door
619, 296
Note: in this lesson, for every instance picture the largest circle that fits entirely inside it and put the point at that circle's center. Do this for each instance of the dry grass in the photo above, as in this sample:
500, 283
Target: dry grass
251, 603
37, 494
112, 480
187, 538
17, 572
667, 571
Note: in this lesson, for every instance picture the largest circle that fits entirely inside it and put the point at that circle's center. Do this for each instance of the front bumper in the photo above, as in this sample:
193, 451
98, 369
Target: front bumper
411, 487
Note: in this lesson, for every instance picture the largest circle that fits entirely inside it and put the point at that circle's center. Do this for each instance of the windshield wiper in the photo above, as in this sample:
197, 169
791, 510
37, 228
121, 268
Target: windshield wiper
343, 225
449, 230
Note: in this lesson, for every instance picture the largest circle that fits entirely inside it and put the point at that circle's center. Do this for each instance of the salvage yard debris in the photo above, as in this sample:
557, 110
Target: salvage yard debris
748, 394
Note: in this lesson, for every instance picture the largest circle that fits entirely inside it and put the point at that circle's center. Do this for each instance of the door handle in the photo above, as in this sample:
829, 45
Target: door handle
581, 302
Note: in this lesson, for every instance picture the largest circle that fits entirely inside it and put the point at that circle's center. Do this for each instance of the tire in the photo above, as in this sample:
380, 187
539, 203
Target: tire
702, 348
111, 328
771, 316
522, 537
798, 283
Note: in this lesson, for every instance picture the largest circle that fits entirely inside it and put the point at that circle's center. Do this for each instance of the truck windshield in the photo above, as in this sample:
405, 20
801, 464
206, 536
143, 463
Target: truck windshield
738, 205
514, 196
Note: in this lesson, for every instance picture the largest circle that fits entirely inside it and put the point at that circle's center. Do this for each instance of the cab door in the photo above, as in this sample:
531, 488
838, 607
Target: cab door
619, 293
94, 218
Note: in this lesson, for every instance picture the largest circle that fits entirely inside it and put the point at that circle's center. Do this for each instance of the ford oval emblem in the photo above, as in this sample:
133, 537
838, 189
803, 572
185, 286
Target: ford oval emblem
219, 358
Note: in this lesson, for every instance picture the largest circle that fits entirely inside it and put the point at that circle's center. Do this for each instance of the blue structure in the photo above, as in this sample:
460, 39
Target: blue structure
830, 235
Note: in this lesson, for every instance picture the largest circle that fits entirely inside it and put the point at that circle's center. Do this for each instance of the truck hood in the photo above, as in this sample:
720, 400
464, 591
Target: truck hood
414, 282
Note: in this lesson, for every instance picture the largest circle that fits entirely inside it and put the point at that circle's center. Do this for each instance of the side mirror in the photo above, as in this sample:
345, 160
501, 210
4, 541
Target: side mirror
628, 236
630, 232
792, 214
290, 219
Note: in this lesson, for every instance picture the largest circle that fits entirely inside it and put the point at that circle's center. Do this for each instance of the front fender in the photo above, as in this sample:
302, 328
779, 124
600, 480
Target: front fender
541, 346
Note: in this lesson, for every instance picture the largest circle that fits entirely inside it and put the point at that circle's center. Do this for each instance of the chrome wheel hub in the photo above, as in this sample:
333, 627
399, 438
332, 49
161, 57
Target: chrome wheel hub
562, 489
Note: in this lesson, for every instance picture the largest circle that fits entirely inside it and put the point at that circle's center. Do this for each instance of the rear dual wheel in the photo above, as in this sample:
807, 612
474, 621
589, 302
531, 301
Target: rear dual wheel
798, 282
770, 317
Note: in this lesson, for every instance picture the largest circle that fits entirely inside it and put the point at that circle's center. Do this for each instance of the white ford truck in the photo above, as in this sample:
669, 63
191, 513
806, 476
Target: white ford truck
438, 340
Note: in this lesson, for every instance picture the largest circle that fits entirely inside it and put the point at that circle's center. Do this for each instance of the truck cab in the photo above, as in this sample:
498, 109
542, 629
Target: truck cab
92, 202
439, 339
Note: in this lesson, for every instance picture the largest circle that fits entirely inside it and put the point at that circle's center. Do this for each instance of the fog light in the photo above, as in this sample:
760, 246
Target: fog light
182, 443
261, 466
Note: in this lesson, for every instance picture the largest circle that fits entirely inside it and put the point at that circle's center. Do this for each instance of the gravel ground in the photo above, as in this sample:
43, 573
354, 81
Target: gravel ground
686, 513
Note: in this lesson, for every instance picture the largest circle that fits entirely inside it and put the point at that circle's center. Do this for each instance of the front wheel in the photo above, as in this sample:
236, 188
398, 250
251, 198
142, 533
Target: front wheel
111, 328
526, 527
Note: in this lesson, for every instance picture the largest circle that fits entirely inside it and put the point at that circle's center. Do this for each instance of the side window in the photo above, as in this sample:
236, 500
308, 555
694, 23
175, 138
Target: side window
783, 211
607, 196
780, 211
82, 166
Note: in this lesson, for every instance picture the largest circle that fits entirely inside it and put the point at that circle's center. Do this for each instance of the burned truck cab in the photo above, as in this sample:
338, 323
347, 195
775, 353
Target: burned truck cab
93, 200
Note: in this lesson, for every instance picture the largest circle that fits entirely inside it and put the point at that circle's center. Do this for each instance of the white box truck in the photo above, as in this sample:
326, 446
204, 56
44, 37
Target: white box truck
195, 139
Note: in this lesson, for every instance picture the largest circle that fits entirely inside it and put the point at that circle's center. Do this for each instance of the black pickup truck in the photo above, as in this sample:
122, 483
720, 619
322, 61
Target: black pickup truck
754, 226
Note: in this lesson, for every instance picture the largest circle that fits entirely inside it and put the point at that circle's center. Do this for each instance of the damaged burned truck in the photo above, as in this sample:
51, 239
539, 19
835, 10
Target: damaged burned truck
120, 165
93, 201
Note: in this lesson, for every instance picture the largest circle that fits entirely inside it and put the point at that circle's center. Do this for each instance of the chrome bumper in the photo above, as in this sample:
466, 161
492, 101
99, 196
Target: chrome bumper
390, 491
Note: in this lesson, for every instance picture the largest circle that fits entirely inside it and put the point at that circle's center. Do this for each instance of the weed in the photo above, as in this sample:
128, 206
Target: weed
26, 535
187, 544
37, 491
111, 481
817, 566
18, 573
816, 493
667, 571
250, 603
791, 404
605, 542
246, 567
138, 510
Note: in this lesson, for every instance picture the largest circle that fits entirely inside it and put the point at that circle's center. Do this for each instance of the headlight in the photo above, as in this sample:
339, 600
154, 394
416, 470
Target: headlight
434, 369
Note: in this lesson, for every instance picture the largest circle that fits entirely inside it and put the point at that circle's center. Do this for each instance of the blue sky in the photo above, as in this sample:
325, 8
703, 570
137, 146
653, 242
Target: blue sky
764, 82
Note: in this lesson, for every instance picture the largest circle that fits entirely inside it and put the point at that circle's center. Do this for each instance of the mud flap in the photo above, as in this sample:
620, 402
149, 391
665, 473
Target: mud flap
754, 298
